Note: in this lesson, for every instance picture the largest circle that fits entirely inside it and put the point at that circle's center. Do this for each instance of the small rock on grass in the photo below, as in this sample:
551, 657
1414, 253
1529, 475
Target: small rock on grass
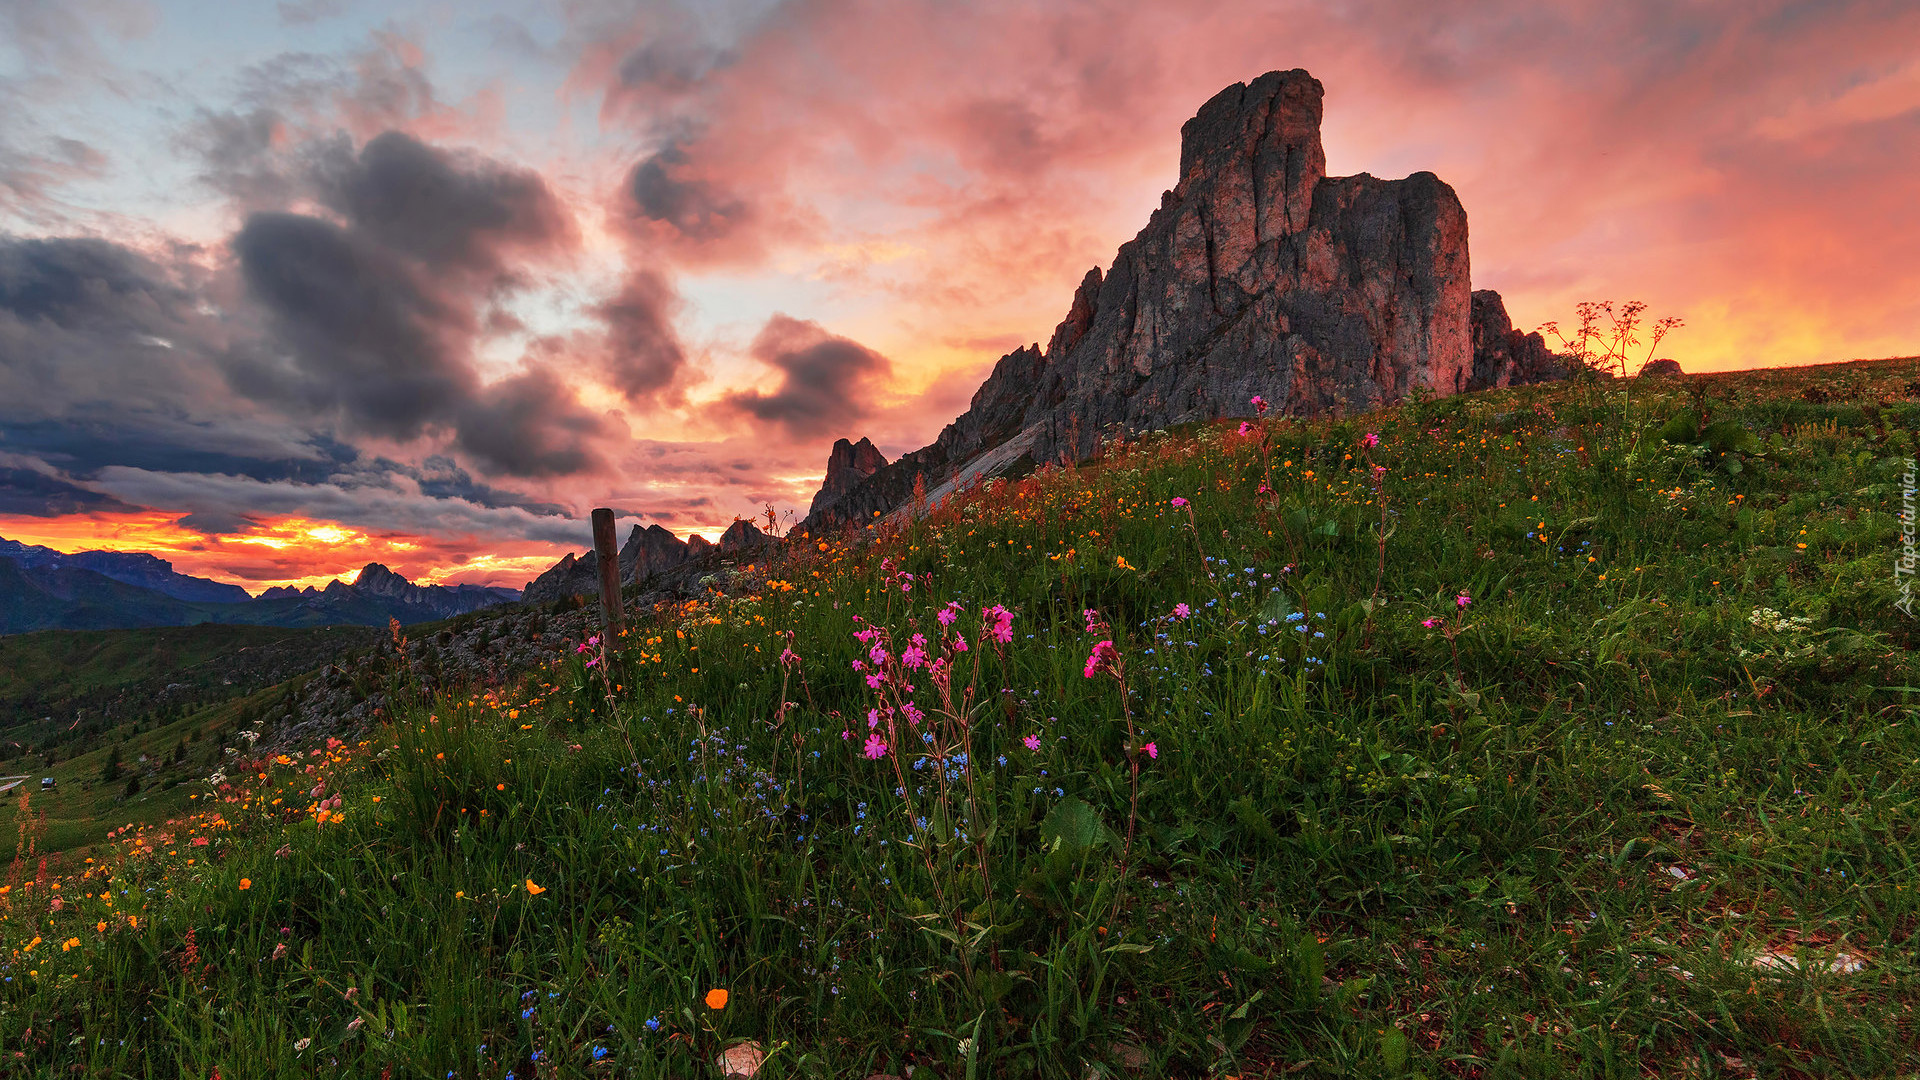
741, 1061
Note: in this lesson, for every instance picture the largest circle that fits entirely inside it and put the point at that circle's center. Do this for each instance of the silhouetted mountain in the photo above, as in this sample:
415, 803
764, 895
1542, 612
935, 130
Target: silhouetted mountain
55, 596
127, 567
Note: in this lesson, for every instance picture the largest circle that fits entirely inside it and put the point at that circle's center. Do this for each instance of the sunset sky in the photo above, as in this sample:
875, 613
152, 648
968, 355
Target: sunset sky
290, 287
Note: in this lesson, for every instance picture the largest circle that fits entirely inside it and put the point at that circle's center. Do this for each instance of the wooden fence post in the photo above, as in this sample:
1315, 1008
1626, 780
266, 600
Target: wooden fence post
613, 617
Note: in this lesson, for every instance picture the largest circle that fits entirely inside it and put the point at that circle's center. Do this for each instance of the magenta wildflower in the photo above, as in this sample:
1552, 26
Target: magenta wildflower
1032, 741
1259, 404
1179, 502
1370, 440
1002, 620
876, 680
1093, 620
1246, 428
1181, 611
875, 748
914, 657
1430, 623
947, 614
1152, 751
959, 643
1462, 600
1103, 658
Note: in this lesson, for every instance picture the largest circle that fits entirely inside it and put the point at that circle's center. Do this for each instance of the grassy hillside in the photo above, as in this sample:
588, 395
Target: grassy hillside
1533, 733
102, 678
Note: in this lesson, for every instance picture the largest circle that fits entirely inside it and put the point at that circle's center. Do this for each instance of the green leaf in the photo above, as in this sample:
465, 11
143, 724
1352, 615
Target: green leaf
1393, 1048
1072, 827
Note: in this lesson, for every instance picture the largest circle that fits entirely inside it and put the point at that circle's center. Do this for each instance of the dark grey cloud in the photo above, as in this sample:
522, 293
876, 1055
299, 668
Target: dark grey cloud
662, 190
218, 523
529, 425
644, 358
109, 356
448, 210
826, 381
369, 339
29, 493
672, 62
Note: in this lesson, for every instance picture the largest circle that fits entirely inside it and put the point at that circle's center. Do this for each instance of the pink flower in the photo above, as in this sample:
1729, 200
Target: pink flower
1178, 502
947, 614
1259, 404
1104, 658
875, 748
913, 715
1032, 742
1462, 600
1093, 620
1430, 623
1152, 751
873, 719
1002, 620
959, 643
1246, 428
1181, 611
788, 657
1370, 440
876, 680
878, 654
1379, 471
914, 657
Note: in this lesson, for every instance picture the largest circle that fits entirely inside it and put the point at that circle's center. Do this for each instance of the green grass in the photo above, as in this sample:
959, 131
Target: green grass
52, 679
1551, 833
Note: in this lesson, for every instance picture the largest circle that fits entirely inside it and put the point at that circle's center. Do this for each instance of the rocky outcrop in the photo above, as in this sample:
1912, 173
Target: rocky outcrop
847, 465
1661, 369
1503, 356
1258, 275
573, 575
743, 536
649, 551
648, 555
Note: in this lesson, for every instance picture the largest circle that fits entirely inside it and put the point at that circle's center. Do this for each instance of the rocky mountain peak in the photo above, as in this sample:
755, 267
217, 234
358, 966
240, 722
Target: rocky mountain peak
1258, 275
848, 463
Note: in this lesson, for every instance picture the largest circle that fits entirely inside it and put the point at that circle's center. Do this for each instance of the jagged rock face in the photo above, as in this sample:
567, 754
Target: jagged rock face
650, 551
742, 536
1503, 356
571, 576
847, 465
1258, 275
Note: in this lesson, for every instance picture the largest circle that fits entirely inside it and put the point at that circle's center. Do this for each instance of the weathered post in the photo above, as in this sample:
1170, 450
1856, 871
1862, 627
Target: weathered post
613, 617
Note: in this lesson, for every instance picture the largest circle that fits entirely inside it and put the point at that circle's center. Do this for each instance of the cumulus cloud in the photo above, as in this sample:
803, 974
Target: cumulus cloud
826, 382
643, 356
664, 190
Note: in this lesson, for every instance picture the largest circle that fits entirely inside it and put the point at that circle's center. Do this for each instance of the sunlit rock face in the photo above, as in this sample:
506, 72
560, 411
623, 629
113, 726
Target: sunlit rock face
1259, 275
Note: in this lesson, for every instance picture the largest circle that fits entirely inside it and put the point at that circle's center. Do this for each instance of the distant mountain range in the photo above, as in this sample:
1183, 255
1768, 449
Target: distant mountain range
44, 589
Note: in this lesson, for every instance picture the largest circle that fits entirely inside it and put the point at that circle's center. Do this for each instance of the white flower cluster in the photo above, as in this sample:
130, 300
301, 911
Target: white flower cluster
1768, 619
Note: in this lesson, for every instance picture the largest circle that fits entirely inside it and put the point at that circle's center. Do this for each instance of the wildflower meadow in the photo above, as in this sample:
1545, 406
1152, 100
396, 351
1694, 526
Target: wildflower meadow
1537, 732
